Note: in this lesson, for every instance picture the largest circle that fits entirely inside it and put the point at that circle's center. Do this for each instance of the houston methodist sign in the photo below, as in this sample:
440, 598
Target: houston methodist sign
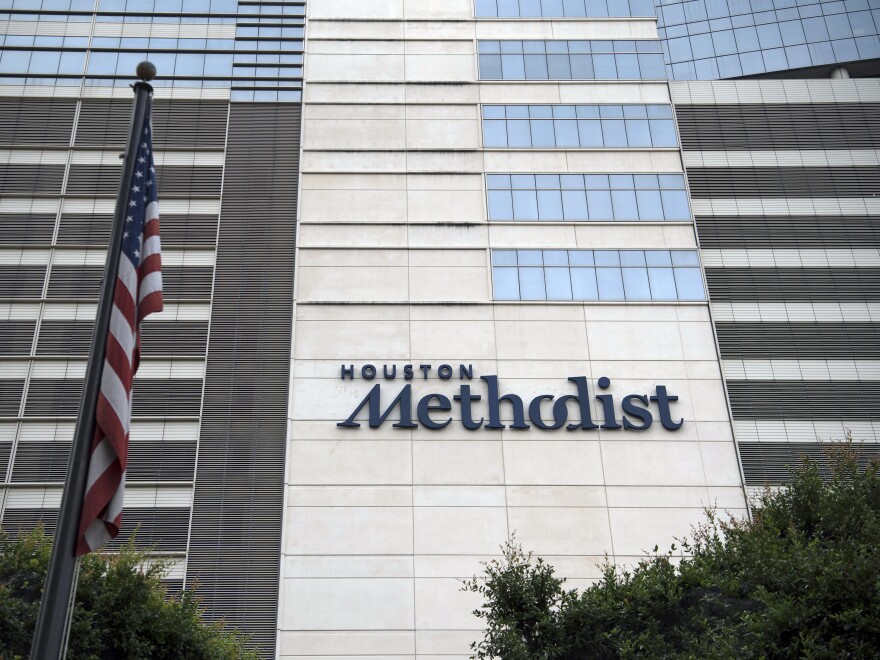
545, 411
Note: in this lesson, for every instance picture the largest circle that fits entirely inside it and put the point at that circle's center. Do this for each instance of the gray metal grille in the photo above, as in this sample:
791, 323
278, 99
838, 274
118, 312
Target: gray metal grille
771, 462
16, 179
36, 122
780, 399
787, 232
189, 230
176, 397
16, 337
161, 529
147, 461
10, 396
165, 338
175, 181
791, 284
832, 341
235, 544
189, 283
21, 281
177, 124
26, 229
783, 181
779, 126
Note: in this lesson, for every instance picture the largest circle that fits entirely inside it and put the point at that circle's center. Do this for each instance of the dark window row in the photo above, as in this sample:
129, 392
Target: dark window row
571, 60
562, 8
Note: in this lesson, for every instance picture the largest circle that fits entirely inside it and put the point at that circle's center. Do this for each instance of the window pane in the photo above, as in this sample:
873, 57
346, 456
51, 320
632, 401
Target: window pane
508, 8
638, 133
590, 132
506, 283
542, 133
599, 204
581, 258
581, 67
663, 133
494, 133
614, 132
685, 258
652, 67
525, 205
500, 205
658, 258
650, 207
627, 67
574, 205
689, 284
486, 8
531, 284
558, 67
504, 257
662, 283
625, 207
604, 67
583, 284
675, 205
635, 284
512, 67
566, 133
558, 283
518, 133
549, 205
610, 284
490, 67
536, 67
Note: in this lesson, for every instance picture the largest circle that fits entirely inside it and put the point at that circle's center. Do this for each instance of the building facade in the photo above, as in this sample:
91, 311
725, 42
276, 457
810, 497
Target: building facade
439, 272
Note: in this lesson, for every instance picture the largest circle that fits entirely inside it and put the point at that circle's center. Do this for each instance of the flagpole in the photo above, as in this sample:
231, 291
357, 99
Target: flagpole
56, 606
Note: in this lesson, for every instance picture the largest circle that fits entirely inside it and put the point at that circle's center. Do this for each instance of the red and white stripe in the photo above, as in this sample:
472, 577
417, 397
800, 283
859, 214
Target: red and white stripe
138, 294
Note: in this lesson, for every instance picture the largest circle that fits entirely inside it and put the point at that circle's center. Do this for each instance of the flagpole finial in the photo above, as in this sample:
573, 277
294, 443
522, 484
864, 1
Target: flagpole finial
146, 71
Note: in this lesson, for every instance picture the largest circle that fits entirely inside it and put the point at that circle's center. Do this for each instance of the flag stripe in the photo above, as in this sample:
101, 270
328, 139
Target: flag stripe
138, 293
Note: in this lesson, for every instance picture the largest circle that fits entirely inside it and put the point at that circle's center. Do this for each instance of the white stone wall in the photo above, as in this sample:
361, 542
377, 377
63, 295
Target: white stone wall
394, 268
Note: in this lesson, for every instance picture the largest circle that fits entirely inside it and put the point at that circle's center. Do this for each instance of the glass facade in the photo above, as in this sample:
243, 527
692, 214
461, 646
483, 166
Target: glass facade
254, 48
605, 275
710, 39
571, 60
587, 197
562, 8
578, 126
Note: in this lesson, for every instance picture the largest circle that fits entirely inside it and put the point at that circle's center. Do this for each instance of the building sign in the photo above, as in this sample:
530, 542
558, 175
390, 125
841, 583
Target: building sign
548, 412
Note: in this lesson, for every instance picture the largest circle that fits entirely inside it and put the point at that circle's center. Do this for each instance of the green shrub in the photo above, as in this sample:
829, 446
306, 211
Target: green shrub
122, 607
800, 580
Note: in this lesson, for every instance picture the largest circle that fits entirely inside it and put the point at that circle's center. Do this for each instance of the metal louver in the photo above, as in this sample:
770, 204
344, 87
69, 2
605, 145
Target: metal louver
779, 126
235, 543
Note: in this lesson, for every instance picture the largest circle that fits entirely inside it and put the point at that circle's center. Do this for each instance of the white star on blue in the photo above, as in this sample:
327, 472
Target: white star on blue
140, 196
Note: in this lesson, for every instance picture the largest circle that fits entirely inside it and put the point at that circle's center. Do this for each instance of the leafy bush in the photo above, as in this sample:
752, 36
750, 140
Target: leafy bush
800, 580
122, 608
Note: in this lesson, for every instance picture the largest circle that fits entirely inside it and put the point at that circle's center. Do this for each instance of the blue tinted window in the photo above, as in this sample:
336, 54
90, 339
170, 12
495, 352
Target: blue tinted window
599, 205
506, 283
587, 197
662, 284
500, 205
632, 275
550, 205
583, 284
610, 283
558, 283
531, 284
689, 284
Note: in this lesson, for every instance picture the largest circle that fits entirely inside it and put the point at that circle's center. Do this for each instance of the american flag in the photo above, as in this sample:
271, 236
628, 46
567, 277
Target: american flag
138, 293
